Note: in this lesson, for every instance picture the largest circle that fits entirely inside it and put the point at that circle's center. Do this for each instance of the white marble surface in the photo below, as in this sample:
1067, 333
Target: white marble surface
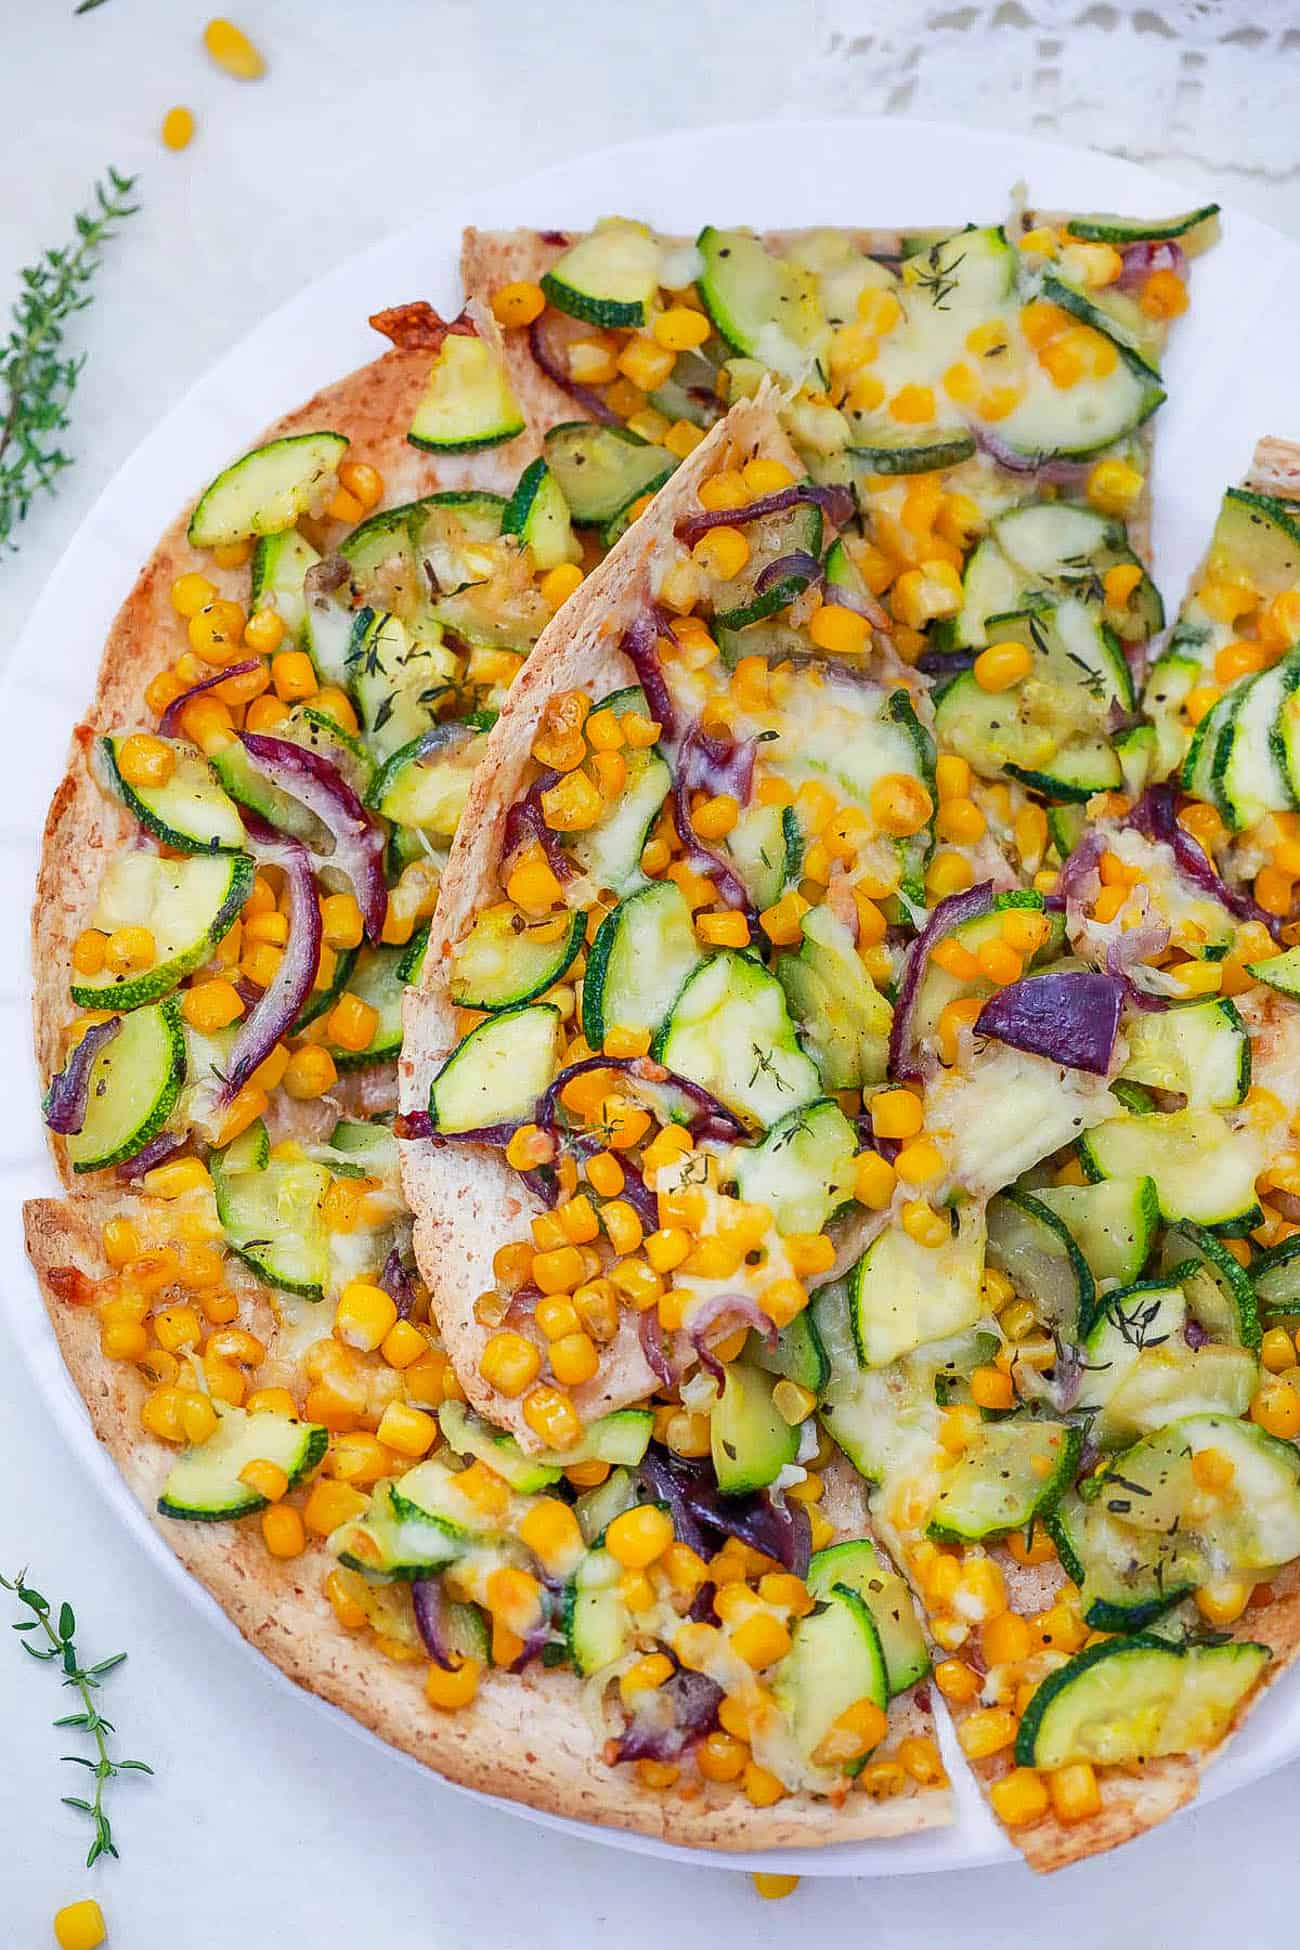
266, 1818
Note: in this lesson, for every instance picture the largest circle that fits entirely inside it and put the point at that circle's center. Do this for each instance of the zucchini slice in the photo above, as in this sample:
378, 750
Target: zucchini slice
498, 1071
270, 1212
426, 789
610, 851
797, 1356
278, 570
761, 305
1114, 1223
268, 489
1219, 1292
1196, 228
468, 402
374, 979
597, 1625
1280, 972
751, 1441
902, 1294
1203, 1170
603, 470
205, 1483
1140, 1373
134, 1085
1199, 1049
1126, 1581
1038, 1253
1136, 1699
506, 959
738, 601
389, 1542
843, 1019
766, 848
608, 278
881, 449
836, 1659
1009, 1473
642, 954
859, 1567
620, 1438
803, 1168
191, 812
1276, 1278
729, 1030
538, 514
187, 906
1249, 1529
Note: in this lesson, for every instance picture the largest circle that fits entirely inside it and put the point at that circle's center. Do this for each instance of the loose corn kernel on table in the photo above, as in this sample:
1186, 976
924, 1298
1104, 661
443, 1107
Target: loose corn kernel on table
263, 1810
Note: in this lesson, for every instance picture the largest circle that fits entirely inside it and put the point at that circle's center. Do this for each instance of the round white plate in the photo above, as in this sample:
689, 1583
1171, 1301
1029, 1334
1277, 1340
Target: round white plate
1230, 378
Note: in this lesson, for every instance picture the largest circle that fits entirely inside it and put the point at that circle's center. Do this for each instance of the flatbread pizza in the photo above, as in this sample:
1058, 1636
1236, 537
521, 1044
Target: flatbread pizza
670, 1035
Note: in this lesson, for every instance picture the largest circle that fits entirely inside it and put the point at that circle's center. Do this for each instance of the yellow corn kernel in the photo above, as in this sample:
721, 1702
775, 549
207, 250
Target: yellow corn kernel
1114, 487
211, 1005
310, 1073
1002, 665
873, 1180
364, 1315
231, 49
510, 1363
1222, 1602
762, 1788
722, 552
926, 1226
990, 1388
840, 631
761, 1640
88, 952
900, 804
896, 1114
352, 1022
407, 1430
638, 1537
551, 1415
919, 1163
129, 949
282, 1531
144, 760
80, 1926
957, 1681
450, 1690
1074, 1791
1020, 1797
987, 1731
948, 873
913, 405
1276, 1409
729, 930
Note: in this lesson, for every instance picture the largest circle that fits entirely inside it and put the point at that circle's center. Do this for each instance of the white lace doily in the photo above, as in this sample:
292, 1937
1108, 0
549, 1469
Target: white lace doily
1216, 80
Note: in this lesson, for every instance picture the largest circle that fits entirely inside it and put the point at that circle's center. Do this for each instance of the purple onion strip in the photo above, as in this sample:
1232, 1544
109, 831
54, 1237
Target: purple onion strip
651, 1334
553, 363
358, 838
65, 1100
398, 1284
281, 1002
836, 503
170, 722
695, 1702
638, 646
1155, 816
525, 821
164, 1146
798, 563
1070, 1018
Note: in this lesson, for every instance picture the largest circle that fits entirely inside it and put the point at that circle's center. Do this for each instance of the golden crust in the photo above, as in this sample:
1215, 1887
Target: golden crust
526, 1737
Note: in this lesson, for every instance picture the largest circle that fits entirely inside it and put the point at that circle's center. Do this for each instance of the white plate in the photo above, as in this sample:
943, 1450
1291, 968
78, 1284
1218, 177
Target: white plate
1230, 379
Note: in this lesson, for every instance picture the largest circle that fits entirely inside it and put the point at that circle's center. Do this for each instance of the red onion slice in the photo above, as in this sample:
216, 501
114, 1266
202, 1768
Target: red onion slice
430, 1603
949, 914
412, 1125
651, 1334
799, 563
544, 344
164, 1146
638, 646
398, 1283
707, 764
645, 1072
836, 504
358, 838
694, 1699
170, 722
1155, 816
730, 886
65, 1100
1068, 474
280, 1004
1148, 255
525, 822
1070, 1018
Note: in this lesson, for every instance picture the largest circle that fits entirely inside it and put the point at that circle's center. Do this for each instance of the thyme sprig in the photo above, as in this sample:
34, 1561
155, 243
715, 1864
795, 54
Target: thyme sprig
85, 1681
37, 378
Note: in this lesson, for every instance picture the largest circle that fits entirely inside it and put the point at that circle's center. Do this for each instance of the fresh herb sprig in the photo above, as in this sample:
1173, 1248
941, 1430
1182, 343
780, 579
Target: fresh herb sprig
37, 378
61, 1646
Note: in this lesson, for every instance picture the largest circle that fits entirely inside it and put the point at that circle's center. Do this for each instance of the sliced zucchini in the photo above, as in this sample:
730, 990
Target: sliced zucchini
730, 1031
610, 851
271, 1213
1280, 972
1136, 1699
506, 959
750, 1440
1219, 1292
498, 1071
1196, 228
766, 848
791, 533
902, 1294
836, 1660
187, 905
1036, 1250
1254, 772
1087, 418
844, 1021
424, 786
798, 1354
190, 812
879, 448
1140, 1373
1009, 1473
608, 278
1276, 1278
205, 1484
1201, 1050
859, 1567
761, 305
391, 1543
596, 1509
468, 402
1251, 1527
603, 470
643, 952
278, 569
1126, 1581
538, 514
374, 980
397, 681
1203, 1169
1114, 1223
134, 1084
1024, 732
620, 1438
268, 489
597, 1625
803, 1168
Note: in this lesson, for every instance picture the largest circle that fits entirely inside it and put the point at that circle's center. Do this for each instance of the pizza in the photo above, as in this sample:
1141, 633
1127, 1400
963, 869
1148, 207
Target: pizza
669, 1016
